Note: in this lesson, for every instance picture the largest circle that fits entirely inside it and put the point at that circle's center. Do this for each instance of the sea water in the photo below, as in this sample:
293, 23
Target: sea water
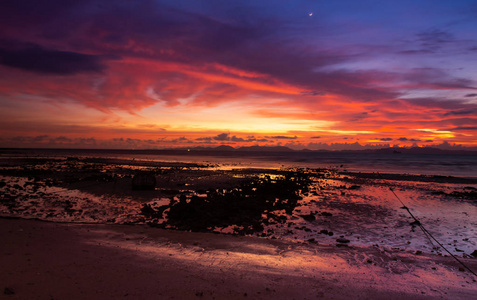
458, 164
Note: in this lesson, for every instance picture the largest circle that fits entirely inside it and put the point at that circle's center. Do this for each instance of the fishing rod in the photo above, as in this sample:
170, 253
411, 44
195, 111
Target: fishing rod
424, 230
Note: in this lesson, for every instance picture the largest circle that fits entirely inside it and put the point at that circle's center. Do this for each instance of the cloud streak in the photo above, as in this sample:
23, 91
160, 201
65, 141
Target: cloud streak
46, 61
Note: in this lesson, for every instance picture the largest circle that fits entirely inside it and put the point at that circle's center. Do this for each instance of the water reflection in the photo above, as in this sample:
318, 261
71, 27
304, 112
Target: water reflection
303, 205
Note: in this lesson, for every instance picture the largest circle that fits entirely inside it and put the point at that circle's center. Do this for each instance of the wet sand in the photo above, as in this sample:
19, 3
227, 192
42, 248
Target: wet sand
43, 260
85, 250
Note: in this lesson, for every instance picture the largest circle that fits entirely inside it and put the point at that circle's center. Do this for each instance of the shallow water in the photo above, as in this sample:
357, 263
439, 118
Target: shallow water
367, 215
372, 216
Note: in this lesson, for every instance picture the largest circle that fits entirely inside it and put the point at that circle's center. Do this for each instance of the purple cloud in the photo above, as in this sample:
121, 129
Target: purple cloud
37, 59
282, 137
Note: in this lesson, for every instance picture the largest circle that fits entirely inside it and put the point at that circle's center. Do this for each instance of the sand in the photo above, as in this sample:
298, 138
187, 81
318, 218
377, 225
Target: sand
46, 260
64, 234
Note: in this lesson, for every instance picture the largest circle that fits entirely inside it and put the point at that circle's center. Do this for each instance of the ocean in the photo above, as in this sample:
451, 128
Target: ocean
445, 164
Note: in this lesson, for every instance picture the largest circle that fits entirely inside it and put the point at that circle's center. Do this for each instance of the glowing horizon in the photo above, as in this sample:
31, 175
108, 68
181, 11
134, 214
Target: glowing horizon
209, 73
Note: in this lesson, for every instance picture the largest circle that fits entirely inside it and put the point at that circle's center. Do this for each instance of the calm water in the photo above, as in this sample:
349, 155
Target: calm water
419, 164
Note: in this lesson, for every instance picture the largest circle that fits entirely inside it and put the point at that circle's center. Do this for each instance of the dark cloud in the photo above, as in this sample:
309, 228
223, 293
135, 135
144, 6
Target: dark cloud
45, 140
345, 146
386, 139
316, 137
181, 139
254, 139
222, 137
38, 59
440, 103
283, 137
86, 141
465, 128
415, 52
471, 95
358, 117
237, 139
226, 137
312, 93
31, 139
61, 140
436, 78
39, 138
460, 112
405, 139
433, 39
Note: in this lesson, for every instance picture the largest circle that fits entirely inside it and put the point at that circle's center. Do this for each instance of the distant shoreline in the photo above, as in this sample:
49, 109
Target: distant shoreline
441, 163
264, 150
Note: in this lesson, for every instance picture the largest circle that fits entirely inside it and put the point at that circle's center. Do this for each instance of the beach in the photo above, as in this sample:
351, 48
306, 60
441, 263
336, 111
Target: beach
78, 227
44, 260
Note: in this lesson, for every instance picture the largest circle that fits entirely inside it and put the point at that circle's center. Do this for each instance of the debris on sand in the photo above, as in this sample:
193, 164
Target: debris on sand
145, 181
8, 291
342, 240
310, 217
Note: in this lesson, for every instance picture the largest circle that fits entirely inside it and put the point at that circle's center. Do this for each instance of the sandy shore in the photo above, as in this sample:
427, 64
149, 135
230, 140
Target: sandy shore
43, 260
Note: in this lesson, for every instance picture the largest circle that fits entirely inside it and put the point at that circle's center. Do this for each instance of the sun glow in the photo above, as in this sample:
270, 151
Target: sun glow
231, 116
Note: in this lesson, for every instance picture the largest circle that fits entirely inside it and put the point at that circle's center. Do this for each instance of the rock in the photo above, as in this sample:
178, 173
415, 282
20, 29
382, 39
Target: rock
147, 210
342, 240
18, 187
308, 218
326, 214
144, 181
474, 254
9, 291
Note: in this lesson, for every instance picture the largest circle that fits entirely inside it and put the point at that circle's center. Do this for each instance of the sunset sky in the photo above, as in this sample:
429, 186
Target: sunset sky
304, 74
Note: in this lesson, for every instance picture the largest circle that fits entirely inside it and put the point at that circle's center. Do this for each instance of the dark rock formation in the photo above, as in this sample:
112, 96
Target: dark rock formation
144, 181
342, 240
